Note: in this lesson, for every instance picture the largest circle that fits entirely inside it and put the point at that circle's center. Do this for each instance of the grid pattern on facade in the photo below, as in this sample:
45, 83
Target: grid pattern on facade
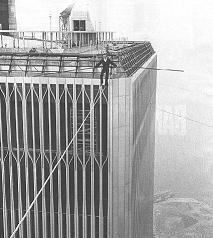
37, 121
134, 56
50, 65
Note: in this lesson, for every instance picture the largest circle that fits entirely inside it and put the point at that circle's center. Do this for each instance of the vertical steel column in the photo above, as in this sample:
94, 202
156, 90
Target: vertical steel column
41, 135
100, 170
71, 39
59, 35
92, 151
109, 150
9, 142
34, 164
2, 43
56, 38
51, 40
18, 162
68, 40
84, 168
99, 36
43, 40
68, 216
24, 126
105, 37
111, 36
23, 39
75, 150
5, 224
18, 39
87, 38
79, 41
58, 153
82, 39
14, 42
52, 215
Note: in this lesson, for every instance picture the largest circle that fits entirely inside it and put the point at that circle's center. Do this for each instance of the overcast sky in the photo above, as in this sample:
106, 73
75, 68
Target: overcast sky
176, 19
174, 27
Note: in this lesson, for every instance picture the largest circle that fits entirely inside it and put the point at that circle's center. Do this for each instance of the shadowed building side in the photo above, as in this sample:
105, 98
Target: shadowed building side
7, 15
132, 136
143, 150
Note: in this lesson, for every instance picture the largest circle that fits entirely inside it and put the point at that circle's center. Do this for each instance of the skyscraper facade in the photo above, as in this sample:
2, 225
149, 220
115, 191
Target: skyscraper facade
79, 154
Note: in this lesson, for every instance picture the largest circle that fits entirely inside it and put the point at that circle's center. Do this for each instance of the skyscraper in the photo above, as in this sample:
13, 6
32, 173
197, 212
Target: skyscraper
92, 146
7, 15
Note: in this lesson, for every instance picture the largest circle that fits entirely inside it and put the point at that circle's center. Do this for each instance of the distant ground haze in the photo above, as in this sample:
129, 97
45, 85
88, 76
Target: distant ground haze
184, 159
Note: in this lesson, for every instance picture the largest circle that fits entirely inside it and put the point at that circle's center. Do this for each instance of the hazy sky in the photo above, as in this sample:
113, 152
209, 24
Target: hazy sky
159, 19
174, 27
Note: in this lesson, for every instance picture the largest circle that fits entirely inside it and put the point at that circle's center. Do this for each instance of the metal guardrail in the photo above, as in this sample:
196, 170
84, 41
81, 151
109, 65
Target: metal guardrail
52, 39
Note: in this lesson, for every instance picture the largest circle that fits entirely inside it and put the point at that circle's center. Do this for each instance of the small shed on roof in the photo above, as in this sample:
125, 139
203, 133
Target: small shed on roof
81, 21
74, 19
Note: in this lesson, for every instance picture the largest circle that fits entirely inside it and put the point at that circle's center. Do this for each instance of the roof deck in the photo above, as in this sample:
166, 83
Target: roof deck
55, 57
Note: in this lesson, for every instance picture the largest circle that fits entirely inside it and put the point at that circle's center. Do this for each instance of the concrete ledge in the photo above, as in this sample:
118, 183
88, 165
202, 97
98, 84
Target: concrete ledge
50, 80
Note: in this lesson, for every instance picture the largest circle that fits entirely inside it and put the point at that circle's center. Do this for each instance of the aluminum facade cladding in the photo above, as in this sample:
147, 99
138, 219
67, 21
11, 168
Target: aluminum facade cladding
37, 122
129, 58
103, 186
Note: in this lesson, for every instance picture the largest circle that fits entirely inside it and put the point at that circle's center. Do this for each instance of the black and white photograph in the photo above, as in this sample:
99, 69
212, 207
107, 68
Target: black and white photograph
106, 119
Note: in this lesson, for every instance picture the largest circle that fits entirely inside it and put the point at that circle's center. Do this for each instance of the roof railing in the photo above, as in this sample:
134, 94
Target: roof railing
53, 39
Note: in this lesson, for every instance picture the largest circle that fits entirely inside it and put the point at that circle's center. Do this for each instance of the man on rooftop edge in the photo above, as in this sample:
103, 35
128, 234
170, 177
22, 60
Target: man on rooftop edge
105, 62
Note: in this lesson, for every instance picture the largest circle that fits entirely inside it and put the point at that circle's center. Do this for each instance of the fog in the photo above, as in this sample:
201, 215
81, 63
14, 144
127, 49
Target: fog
182, 34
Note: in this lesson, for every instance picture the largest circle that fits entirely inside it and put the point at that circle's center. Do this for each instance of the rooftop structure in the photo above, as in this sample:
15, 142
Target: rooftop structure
72, 41
129, 57
72, 20
52, 108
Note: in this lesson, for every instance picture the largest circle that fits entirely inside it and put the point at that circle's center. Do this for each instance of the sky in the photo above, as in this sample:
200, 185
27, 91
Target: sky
172, 26
160, 19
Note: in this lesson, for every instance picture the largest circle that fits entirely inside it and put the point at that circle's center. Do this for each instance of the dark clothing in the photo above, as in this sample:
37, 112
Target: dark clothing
33, 50
106, 76
106, 64
105, 69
